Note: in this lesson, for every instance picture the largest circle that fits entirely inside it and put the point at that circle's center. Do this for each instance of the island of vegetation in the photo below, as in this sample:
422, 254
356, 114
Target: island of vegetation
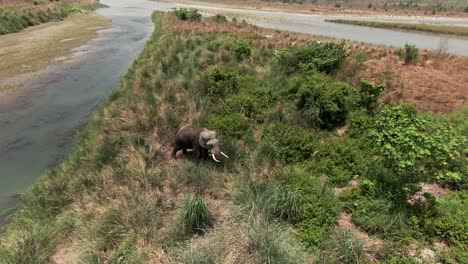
319, 170
447, 30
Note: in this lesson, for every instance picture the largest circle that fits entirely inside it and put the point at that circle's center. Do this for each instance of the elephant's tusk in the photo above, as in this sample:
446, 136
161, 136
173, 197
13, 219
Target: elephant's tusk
222, 153
214, 158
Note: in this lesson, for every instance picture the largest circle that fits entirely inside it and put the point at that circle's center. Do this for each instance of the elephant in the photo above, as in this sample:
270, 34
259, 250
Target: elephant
202, 141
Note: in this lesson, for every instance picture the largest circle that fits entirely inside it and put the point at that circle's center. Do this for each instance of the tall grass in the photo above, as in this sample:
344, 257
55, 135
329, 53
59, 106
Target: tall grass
195, 216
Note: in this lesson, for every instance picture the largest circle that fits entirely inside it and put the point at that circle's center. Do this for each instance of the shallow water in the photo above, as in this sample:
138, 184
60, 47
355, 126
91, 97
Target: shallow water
38, 121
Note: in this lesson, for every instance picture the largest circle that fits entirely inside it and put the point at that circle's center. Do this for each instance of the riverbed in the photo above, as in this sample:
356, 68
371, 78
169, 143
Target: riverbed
39, 121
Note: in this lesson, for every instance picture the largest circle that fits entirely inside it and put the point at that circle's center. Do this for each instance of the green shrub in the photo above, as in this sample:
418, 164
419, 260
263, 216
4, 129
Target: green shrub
465, 10
340, 160
233, 125
220, 82
450, 221
218, 18
251, 104
317, 209
195, 215
322, 57
414, 148
322, 102
242, 49
410, 53
370, 92
187, 14
293, 143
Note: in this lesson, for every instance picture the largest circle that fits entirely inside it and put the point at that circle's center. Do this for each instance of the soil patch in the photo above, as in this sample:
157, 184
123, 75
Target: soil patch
371, 245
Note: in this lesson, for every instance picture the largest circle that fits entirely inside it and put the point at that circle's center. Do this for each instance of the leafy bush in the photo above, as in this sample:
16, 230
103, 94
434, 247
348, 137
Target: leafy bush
414, 148
370, 94
450, 221
195, 215
321, 101
251, 104
465, 10
322, 57
242, 49
219, 82
340, 160
187, 14
293, 143
409, 53
218, 18
233, 125
318, 207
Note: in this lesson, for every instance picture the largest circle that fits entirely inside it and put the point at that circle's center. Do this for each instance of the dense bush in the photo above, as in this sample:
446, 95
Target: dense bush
293, 143
218, 18
242, 49
233, 125
466, 9
370, 92
409, 53
450, 221
219, 82
187, 14
315, 56
321, 101
414, 148
340, 160
318, 207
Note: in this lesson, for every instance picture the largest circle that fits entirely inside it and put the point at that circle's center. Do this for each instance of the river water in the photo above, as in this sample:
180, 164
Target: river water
39, 120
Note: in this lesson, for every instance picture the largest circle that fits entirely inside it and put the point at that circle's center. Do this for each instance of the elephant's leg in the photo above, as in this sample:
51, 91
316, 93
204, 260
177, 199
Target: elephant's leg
205, 154
174, 150
196, 151
184, 150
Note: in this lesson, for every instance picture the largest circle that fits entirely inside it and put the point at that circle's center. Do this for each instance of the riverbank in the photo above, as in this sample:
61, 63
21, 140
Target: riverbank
120, 197
37, 47
445, 30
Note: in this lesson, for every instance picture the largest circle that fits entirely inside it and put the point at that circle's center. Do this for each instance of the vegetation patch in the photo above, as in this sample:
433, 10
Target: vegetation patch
449, 30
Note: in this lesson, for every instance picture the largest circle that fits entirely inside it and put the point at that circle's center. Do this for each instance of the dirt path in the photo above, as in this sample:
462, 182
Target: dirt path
37, 47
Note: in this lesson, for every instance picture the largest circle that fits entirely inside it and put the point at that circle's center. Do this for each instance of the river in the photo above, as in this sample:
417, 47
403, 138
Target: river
39, 120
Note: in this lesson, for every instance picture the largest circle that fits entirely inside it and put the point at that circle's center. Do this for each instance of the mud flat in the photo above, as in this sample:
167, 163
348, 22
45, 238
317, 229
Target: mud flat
37, 47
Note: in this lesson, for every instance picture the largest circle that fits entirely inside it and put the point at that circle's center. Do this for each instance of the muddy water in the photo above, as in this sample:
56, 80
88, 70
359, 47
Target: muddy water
38, 121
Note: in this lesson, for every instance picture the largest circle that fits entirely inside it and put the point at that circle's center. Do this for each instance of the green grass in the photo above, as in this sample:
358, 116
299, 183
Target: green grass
447, 30
13, 20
